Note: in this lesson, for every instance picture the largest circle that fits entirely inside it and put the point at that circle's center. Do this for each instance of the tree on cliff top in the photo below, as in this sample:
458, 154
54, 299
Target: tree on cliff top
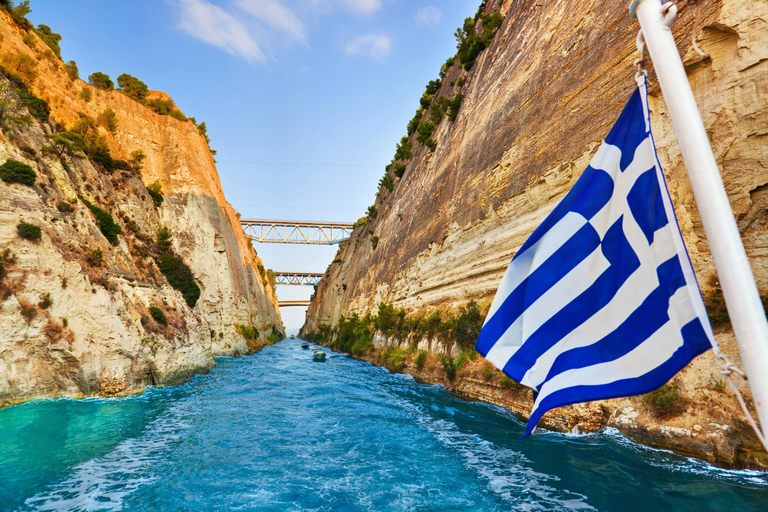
50, 38
101, 80
18, 13
133, 87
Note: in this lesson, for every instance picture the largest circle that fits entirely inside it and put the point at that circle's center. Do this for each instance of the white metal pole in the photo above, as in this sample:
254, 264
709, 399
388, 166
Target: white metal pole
736, 279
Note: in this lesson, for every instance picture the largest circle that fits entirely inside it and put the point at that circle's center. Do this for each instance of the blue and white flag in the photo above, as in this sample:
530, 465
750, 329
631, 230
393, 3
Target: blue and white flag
601, 301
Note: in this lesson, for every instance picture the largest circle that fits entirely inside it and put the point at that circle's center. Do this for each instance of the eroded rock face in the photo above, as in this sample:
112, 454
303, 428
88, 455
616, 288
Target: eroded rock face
96, 334
537, 104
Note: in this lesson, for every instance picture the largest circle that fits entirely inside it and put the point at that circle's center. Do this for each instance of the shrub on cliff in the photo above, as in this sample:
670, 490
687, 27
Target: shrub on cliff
275, 335
109, 228
162, 107
446, 362
94, 257
133, 87
36, 107
21, 65
72, 70
399, 170
387, 181
403, 150
666, 401
413, 124
372, 212
19, 13
50, 38
421, 359
248, 332
164, 240
108, 119
471, 43
86, 94
13, 171
29, 231
466, 325
179, 276
155, 191
158, 315
425, 131
101, 80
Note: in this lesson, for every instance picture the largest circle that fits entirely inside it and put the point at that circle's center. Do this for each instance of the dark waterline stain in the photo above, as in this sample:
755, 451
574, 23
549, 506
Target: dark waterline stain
276, 431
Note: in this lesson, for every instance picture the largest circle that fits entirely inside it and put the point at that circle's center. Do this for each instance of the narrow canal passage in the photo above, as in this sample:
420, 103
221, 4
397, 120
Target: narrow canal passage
275, 431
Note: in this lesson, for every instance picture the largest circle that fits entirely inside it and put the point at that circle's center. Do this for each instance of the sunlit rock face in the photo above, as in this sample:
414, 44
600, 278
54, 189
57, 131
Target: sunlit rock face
98, 334
537, 104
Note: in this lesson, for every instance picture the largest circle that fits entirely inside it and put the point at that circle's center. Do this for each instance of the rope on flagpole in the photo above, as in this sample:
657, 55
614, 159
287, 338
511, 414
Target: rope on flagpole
727, 368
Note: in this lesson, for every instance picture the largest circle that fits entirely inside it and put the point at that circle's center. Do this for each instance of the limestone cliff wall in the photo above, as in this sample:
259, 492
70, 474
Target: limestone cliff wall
537, 104
95, 336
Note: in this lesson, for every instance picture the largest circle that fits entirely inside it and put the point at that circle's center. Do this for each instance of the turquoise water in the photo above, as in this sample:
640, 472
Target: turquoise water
275, 431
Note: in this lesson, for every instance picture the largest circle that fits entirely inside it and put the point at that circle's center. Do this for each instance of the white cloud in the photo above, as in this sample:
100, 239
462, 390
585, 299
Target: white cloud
429, 15
217, 27
275, 15
357, 6
362, 6
377, 47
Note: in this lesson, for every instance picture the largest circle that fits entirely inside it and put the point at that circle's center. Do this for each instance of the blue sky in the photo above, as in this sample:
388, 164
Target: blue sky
304, 100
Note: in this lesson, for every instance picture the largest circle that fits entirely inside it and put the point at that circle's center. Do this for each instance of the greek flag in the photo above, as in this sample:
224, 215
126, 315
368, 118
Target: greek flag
601, 301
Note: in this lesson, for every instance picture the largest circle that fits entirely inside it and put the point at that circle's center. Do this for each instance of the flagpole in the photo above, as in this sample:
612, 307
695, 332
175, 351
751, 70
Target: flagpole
738, 284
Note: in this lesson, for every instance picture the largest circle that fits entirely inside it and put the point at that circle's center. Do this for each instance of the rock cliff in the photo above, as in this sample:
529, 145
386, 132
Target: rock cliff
536, 104
80, 314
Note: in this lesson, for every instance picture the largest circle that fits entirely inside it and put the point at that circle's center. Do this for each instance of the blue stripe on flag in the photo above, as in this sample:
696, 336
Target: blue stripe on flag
645, 203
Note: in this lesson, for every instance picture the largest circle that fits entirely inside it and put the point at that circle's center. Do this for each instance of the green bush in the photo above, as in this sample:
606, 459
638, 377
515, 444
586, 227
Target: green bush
107, 225
86, 94
162, 107
425, 130
108, 119
403, 150
431, 144
45, 301
37, 108
275, 335
101, 80
454, 104
158, 315
471, 43
421, 359
29, 231
65, 207
448, 366
155, 191
179, 276
49, 38
666, 401
387, 181
19, 13
72, 70
399, 170
508, 383
413, 124
248, 332
94, 257
13, 171
372, 212
353, 335
133, 87
487, 373
466, 325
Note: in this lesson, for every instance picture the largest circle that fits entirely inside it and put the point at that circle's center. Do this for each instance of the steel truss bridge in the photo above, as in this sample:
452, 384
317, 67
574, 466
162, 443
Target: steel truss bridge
298, 278
286, 303
296, 231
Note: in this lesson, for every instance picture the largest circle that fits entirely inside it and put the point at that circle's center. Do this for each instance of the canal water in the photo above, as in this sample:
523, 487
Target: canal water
276, 431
